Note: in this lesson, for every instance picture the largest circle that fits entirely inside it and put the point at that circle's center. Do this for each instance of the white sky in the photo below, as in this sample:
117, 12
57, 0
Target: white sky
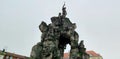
98, 23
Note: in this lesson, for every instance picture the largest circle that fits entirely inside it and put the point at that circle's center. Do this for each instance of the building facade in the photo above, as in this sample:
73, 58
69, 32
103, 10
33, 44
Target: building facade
92, 54
2, 54
8, 55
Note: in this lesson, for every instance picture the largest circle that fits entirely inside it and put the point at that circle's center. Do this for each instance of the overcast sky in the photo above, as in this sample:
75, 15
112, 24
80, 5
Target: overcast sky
98, 24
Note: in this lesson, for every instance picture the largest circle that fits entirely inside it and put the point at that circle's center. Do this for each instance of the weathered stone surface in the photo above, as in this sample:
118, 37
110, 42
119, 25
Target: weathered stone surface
82, 51
55, 36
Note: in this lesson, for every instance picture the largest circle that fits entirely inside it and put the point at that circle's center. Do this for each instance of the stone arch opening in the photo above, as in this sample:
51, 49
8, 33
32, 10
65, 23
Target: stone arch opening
63, 41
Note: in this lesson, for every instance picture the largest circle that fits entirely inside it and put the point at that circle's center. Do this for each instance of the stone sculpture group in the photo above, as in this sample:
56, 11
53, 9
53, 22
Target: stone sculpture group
55, 36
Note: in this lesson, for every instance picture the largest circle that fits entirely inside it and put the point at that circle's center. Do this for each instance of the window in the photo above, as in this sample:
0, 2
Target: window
18, 58
7, 57
11, 57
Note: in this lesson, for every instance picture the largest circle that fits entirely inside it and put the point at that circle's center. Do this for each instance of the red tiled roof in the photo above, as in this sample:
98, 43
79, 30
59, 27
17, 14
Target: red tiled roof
15, 55
92, 53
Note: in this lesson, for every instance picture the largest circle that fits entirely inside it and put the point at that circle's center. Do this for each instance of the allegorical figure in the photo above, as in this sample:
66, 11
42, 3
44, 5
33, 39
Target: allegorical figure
64, 13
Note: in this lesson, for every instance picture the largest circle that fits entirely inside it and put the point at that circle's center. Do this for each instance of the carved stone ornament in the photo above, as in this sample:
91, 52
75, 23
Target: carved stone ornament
55, 36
